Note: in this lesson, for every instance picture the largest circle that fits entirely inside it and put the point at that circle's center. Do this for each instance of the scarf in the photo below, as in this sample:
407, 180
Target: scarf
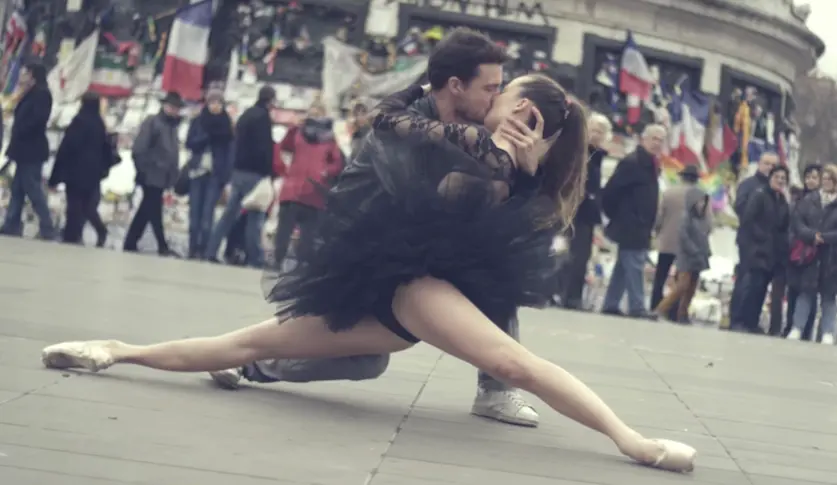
219, 127
827, 197
172, 120
317, 130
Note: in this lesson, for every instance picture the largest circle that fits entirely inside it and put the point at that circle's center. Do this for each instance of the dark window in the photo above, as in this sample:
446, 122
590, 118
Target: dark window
283, 40
529, 51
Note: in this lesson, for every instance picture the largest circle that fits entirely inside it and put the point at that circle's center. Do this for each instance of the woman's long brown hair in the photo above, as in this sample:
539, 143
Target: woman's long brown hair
565, 163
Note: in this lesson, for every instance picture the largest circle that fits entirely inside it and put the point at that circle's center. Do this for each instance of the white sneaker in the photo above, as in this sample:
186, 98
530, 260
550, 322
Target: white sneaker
828, 339
92, 355
227, 379
505, 406
795, 334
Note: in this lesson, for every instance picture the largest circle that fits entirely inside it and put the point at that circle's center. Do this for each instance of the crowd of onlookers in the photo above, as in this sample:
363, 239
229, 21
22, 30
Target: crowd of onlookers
787, 242
234, 162
636, 215
789, 246
784, 246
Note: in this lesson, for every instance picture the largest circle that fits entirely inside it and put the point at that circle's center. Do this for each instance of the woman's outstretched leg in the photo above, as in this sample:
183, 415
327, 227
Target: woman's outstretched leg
439, 314
299, 338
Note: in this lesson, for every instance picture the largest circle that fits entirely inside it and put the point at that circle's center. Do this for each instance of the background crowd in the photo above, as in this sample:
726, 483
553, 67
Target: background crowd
786, 245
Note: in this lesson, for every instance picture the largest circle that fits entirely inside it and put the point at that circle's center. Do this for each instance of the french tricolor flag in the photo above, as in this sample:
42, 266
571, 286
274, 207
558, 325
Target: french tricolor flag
721, 146
188, 50
635, 79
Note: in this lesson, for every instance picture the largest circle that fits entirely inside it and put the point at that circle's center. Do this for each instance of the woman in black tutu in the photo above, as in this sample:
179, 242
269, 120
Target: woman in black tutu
430, 241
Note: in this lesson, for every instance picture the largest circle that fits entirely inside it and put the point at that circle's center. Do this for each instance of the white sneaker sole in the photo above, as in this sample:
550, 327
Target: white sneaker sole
226, 379
489, 413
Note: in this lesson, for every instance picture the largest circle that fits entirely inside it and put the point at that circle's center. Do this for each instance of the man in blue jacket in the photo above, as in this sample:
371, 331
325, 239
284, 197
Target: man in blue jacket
29, 149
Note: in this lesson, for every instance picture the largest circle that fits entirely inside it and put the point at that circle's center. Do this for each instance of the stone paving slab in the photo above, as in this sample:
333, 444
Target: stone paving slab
760, 411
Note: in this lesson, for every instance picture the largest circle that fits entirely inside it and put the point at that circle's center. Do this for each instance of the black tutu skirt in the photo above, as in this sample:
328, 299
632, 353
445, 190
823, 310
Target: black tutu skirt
499, 255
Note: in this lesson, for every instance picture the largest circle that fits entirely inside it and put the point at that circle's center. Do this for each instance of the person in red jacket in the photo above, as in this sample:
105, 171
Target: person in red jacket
316, 160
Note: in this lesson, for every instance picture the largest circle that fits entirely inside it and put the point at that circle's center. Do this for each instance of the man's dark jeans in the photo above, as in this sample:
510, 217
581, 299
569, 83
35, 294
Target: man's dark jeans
574, 274
752, 297
808, 332
204, 192
664, 262
354, 368
27, 183
293, 215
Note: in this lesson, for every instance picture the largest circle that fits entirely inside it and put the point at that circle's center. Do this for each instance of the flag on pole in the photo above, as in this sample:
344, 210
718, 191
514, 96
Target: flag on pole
721, 146
188, 50
635, 79
233, 74
14, 40
111, 75
73, 75
689, 112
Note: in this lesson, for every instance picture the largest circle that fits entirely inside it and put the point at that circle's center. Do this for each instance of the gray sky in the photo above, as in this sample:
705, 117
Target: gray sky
821, 21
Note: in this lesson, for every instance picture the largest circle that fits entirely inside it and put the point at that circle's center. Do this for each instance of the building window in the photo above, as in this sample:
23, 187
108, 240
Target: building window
282, 41
671, 73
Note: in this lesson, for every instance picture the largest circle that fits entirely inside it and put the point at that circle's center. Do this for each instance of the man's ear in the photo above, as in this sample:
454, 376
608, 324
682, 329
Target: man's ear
456, 85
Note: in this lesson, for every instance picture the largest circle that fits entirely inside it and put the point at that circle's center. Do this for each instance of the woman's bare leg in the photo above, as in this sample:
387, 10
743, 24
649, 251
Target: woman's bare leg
440, 315
299, 338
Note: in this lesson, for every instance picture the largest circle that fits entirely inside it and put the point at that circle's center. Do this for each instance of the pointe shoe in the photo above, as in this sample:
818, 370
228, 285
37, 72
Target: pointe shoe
92, 355
674, 456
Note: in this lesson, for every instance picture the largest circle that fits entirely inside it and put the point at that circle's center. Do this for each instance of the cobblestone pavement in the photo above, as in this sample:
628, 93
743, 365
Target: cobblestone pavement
760, 411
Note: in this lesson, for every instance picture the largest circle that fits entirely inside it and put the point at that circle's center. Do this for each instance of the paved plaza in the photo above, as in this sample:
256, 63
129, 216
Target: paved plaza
760, 411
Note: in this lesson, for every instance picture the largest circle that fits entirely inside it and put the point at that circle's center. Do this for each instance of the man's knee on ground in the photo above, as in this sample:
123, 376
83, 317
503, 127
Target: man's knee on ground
371, 367
357, 368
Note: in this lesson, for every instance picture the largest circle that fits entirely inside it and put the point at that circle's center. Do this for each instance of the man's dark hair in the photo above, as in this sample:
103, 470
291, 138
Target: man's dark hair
266, 95
459, 54
814, 167
37, 69
779, 168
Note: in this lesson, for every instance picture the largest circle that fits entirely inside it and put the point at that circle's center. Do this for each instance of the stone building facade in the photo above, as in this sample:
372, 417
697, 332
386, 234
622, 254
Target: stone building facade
720, 45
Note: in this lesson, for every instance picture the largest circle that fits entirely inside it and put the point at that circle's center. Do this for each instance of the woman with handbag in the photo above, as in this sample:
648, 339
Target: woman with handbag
814, 256
811, 178
251, 184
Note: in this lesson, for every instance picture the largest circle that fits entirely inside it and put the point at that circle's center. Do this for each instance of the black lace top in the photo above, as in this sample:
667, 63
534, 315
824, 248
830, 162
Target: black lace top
393, 115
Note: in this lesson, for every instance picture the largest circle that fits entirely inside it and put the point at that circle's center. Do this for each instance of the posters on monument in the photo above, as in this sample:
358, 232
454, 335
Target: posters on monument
343, 73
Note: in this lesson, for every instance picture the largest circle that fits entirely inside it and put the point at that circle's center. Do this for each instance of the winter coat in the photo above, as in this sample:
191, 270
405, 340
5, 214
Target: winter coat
156, 151
810, 217
314, 163
629, 200
85, 155
590, 212
671, 215
200, 142
28, 141
763, 231
254, 141
742, 194
693, 250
